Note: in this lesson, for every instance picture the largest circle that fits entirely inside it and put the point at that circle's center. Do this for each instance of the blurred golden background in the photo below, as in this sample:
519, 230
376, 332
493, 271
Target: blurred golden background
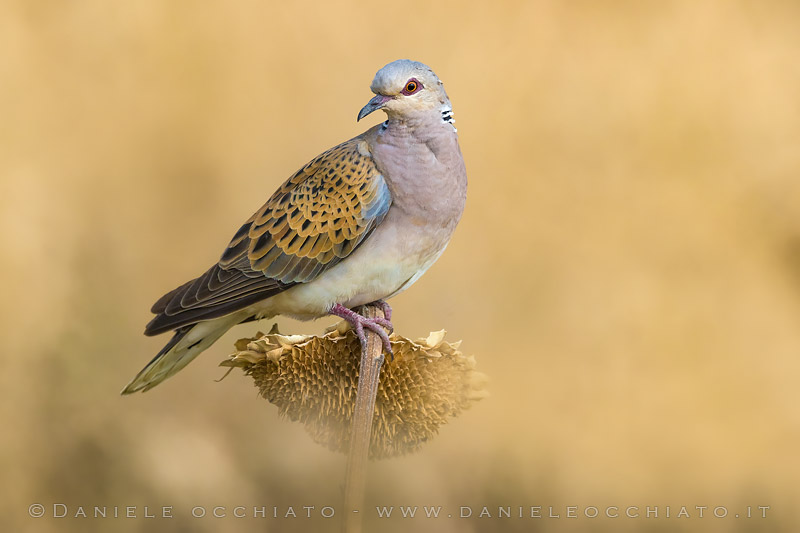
627, 271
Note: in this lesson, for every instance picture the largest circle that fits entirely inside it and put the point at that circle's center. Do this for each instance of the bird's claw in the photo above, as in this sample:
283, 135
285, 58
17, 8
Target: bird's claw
377, 324
383, 323
387, 310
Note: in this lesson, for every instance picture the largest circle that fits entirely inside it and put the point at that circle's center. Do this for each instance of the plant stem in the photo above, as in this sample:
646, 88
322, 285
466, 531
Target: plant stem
361, 428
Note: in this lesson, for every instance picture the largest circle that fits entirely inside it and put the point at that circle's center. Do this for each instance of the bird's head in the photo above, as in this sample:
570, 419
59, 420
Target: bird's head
405, 88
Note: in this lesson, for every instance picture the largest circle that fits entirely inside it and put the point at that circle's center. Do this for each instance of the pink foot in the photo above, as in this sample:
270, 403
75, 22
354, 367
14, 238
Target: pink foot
359, 322
387, 311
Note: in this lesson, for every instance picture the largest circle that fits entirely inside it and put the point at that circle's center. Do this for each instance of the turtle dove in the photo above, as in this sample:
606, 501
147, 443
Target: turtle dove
358, 224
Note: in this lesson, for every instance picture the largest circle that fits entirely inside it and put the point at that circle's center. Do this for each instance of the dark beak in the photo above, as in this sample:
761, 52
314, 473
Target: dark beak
373, 105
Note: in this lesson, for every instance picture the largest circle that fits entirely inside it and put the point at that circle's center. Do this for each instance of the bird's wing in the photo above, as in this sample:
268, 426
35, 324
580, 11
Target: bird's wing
316, 219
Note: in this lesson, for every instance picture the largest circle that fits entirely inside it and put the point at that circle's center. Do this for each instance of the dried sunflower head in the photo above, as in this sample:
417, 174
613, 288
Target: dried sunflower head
314, 379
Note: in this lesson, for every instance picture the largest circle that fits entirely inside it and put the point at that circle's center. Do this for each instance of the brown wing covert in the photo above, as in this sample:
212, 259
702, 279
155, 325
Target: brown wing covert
317, 218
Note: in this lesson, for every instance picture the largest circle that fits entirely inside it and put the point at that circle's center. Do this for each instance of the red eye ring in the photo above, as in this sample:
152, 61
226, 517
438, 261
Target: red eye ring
413, 85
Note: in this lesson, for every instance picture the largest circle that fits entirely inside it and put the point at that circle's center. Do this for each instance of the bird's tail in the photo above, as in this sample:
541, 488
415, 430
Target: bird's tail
187, 343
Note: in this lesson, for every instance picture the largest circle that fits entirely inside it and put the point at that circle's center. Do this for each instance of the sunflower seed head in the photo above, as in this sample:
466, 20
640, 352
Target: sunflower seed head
313, 380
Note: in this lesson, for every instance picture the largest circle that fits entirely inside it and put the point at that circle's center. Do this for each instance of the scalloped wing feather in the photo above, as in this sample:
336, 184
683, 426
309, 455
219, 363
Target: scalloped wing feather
316, 219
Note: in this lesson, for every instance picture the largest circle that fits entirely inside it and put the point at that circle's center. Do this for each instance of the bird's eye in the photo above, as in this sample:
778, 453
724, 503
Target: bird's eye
412, 86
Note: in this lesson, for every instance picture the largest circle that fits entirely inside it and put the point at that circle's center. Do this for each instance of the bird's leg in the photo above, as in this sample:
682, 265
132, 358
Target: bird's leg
359, 322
